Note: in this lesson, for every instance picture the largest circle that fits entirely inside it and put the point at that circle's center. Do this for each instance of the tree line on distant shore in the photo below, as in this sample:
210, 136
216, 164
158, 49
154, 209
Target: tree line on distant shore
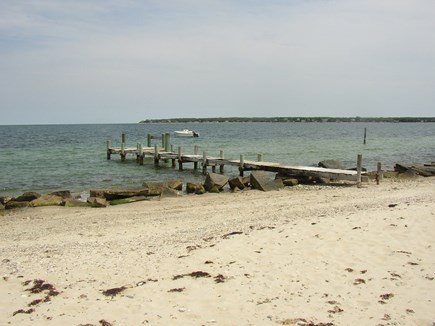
291, 119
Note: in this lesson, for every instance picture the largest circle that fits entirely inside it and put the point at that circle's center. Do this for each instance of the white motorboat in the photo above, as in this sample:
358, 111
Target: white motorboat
186, 133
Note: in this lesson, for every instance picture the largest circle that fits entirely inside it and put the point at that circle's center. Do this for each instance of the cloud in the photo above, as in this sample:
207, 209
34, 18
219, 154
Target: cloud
201, 58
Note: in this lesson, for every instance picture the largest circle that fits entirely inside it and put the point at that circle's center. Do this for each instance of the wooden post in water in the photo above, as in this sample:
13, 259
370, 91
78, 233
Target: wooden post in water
167, 141
108, 150
221, 166
156, 154
379, 174
122, 151
365, 135
123, 147
173, 160
358, 170
195, 152
242, 163
260, 157
180, 160
141, 154
149, 137
204, 163
137, 152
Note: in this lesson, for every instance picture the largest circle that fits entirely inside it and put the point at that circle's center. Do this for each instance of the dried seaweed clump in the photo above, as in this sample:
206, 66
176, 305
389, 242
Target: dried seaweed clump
114, 291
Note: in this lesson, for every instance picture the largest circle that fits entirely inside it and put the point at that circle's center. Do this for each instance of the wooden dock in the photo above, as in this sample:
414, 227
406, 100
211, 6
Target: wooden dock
166, 153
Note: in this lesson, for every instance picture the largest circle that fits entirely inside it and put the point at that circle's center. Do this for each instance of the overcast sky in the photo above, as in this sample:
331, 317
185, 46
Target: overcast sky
93, 61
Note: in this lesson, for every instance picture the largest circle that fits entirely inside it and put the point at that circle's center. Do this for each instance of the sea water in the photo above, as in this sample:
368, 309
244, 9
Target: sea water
45, 158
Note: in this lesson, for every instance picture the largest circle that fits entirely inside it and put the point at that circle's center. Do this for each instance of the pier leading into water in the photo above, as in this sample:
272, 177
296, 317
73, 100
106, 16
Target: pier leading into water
167, 153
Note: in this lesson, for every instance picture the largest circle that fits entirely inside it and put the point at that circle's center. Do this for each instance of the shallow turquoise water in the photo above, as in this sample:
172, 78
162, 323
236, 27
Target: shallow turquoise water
53, 157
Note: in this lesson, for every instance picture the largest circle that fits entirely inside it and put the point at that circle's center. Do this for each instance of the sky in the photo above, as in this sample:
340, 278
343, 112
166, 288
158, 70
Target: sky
121, 61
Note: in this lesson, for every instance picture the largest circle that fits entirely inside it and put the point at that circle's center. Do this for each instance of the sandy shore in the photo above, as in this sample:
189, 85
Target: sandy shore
298, 256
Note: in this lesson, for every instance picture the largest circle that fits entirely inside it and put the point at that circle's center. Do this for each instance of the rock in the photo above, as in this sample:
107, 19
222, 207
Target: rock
4, 200
118, 193
128, 200
175, 184
96, 193
169, 193
261, 180
62, 193
290, 182
408, 174
16, 204
236, 182
28, 196
47, 200
195, 188
2, 208
215, 180
97, 202
423, 170
155, 188
331, 164
72, 202
214, 190
391, 174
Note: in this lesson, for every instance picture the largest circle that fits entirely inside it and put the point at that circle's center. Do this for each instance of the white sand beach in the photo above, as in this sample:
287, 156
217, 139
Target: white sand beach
312, 255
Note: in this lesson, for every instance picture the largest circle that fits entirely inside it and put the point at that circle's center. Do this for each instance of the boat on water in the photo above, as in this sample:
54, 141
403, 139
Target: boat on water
186, 133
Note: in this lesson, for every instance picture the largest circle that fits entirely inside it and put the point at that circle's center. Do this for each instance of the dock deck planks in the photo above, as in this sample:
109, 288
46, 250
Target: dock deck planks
245, 165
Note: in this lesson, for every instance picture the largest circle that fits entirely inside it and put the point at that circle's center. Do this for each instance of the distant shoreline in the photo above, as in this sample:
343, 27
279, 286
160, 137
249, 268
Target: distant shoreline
291, 119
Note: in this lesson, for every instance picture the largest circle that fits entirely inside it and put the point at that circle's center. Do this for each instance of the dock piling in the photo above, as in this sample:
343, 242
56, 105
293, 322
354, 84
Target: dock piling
204, 163
167, 141
242, 163
156, 155
358, 170
141, 154
221, 166
379, 173
180, 159
108, 149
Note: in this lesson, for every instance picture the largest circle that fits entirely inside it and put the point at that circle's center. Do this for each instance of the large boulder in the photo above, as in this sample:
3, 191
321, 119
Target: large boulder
290, 182
236, 183
331, 164
423, 170
261, 180
28, 196
409, 174
169, 193
16, 204
195, 188
47, 200
118, 193
128, 200
97, 202
214, 180
73, 202
62, 193
155, 188
175, 184
4, 200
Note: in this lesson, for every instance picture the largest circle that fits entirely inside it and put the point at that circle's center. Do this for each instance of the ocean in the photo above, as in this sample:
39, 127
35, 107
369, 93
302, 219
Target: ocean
46, 158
